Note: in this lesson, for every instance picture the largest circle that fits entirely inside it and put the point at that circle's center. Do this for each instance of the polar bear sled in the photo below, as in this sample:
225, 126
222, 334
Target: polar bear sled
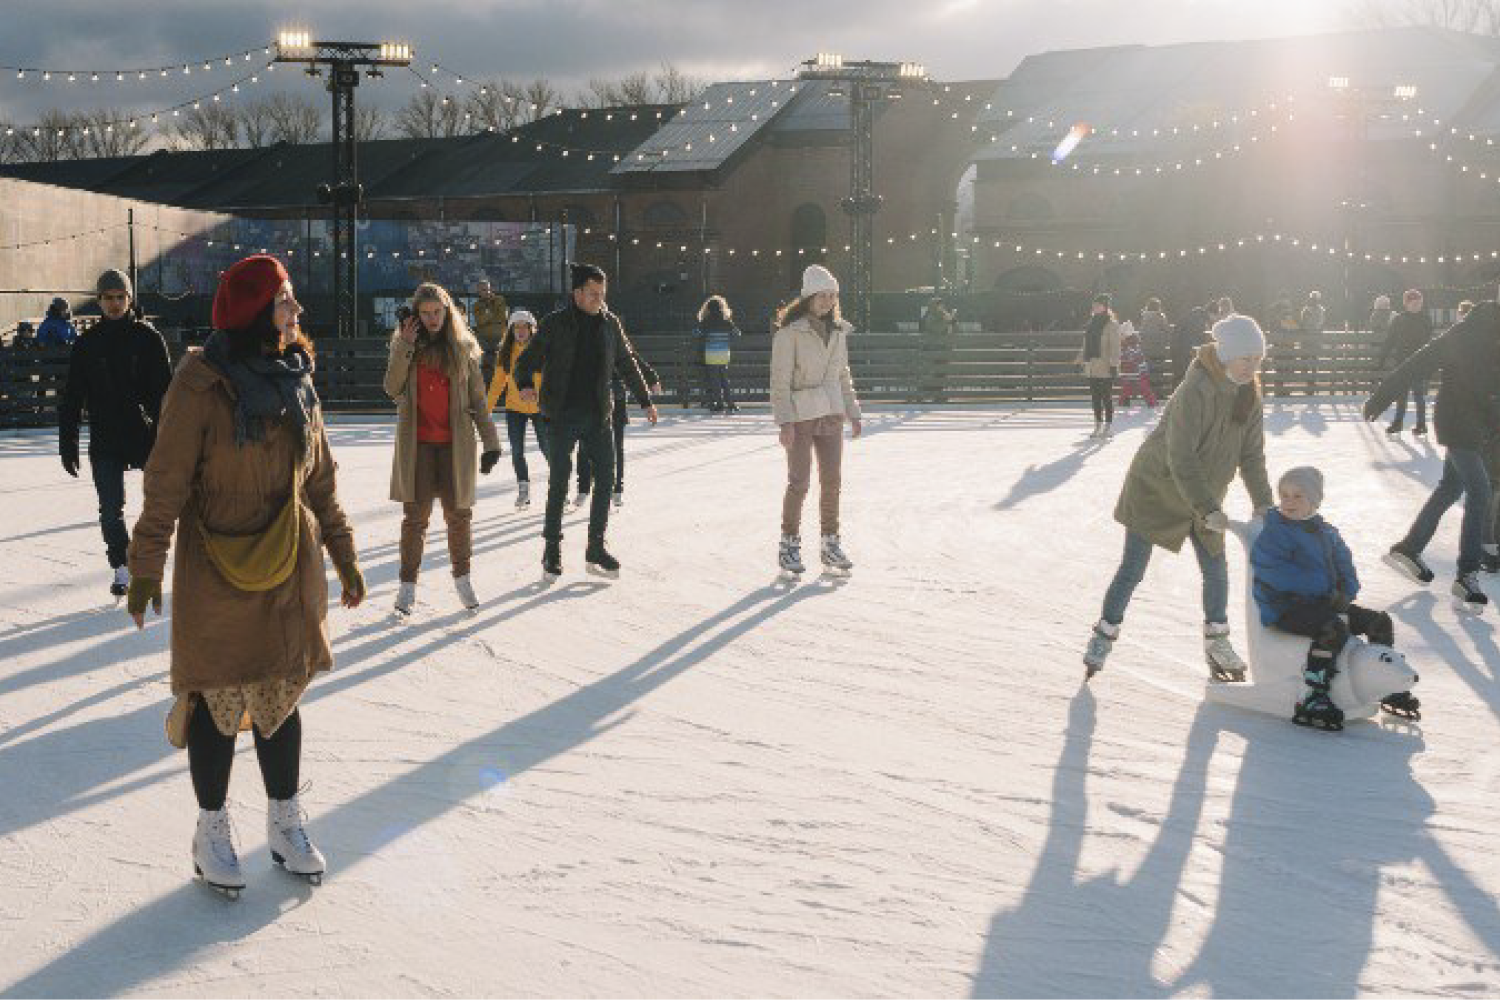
1366, 672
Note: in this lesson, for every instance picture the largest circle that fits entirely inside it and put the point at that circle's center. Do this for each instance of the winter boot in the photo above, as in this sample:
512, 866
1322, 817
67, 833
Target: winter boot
789, 555
286, 835
465, 587
406, 598
1466, 588
552, 560
600, 562
1100, 644
1224, 664
523, 495
1403, 705
215, 860
121, 583
1404, 560
834, 560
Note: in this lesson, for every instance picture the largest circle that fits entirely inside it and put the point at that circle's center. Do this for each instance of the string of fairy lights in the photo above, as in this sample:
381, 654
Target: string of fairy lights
43, 74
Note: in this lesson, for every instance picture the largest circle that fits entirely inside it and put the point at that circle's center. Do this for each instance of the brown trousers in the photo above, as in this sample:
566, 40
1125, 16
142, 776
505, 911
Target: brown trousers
825, 436
435, 479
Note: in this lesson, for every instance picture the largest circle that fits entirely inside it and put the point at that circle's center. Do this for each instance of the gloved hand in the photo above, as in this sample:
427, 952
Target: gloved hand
353, 582
1216, 521
487, 461
143, 590
69, 451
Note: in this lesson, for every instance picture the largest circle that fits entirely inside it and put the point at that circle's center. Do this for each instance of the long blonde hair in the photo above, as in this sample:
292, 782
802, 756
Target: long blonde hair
454, 345
799, 307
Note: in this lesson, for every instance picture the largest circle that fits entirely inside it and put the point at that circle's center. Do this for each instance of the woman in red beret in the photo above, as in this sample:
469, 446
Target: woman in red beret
242, 472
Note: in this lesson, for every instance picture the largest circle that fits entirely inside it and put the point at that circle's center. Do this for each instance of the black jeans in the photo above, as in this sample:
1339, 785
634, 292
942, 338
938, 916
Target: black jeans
1418, 392
718, 385
109, 483
515, 428
592, 437
1101, 393
211, 758
586, 467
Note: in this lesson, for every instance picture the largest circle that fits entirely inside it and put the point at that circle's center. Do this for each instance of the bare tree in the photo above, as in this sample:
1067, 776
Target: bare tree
429, 115
51, 138
491, 107
637, 88
211, 126
294, 118
255, 123
541, 98
369, 123
600, 93
107, 132
674, 86
1474, 16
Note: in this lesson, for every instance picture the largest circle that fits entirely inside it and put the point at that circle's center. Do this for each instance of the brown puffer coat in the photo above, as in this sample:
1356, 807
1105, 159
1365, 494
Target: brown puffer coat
1183, 469
223, 636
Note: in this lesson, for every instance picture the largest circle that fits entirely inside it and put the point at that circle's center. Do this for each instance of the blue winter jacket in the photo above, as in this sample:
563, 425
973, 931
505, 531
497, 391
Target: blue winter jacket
55, 332
1299, 561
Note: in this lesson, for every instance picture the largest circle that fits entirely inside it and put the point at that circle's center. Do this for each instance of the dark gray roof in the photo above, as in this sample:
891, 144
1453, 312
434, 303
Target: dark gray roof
705, 134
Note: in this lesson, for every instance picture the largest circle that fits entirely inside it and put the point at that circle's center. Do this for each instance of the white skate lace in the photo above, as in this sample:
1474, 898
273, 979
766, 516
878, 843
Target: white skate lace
293, 826
221, 839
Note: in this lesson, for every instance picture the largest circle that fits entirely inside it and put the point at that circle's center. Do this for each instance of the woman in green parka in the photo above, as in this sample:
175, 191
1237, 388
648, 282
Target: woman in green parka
1211, 430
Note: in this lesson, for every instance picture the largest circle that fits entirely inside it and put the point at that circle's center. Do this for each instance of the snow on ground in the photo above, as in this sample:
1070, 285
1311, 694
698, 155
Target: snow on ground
693, 782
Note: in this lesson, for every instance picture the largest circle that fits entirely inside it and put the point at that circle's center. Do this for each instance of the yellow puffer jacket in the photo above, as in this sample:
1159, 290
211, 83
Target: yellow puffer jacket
502, 385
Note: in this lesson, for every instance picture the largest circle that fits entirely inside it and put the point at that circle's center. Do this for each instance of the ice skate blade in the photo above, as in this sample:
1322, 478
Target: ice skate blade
311, 878
834, 573
1089, 670
1309, 723
548, 579
597, 570
1405, 715
229, 892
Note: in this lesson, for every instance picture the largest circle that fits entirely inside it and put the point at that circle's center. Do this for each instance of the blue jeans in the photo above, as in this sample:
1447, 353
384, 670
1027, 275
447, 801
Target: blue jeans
1464, 475
109, 484
1133, 568
515, 428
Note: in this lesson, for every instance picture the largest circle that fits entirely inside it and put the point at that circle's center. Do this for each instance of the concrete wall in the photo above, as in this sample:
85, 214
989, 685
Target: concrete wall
30, 277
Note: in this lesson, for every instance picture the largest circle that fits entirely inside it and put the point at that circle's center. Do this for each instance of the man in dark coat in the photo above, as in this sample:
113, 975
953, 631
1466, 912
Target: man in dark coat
1467, 415
1187, 336
576, 350
1408, 332
118, 373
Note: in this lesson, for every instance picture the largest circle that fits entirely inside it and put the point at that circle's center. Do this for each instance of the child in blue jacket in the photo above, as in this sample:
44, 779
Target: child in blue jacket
1305, 583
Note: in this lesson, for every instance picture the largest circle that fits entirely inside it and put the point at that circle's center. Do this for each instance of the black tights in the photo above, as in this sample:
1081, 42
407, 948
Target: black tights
211, 756
1101, 392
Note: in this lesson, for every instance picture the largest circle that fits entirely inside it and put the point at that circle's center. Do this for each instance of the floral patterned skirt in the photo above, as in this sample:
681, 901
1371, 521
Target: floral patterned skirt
265, 703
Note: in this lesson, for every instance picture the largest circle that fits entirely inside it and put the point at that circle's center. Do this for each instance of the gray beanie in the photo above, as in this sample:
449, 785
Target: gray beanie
114, 280
1237, 336
1309, 479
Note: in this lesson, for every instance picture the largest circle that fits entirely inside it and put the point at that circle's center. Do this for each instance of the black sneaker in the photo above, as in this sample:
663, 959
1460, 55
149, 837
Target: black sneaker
1466, 588
1405, 561
600, 562
552, 561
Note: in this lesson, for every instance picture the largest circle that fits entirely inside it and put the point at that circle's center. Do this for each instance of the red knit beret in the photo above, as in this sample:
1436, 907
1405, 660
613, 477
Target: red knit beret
246, 289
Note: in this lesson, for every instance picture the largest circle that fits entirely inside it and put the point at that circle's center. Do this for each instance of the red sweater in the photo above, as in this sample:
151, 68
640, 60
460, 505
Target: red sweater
432, 406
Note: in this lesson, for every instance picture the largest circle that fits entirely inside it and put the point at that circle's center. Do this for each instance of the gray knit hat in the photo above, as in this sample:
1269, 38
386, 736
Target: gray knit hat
114, 280
1238, 336
1307, 479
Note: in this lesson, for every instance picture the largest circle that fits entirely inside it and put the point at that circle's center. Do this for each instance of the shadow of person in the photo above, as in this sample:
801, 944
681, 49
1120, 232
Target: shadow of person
1314, 819
1415, 612
1097, 936
1040, 479
172, 932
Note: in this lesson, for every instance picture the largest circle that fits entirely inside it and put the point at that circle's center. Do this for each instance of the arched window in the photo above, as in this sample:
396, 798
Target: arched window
1029, 207
664, 215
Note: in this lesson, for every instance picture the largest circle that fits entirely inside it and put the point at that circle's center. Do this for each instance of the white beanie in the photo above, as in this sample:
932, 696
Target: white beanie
1309, 479
818, 278
522, 316
1237, 336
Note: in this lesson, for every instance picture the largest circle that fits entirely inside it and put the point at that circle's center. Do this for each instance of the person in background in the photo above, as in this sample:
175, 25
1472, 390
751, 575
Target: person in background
57, 328
1406, 334
491, 316
939, 326
1099, 357
1155, 330
717, 332
620, 419
1187, 336
518, 412
1380, 317
118, 373
1135, 370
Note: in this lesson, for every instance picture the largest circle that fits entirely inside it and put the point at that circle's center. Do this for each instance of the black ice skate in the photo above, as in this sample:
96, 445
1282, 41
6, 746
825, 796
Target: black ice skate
1317, 711
551, 561
1466, 588
1403, 705
600, 562
1409, 563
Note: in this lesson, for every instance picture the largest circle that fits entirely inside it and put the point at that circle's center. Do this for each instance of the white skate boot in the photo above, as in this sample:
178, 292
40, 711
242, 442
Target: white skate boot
215, 860
834, 560
406, 599
465, 587
1100, 644
789, 557
1223, 662
120, 585
523, 495
286, 835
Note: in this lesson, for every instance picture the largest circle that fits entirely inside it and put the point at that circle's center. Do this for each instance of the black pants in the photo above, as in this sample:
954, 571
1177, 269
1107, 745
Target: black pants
211, 757
1320, 622
592, 436
718, 385
109, 484
1418, 392
1101, 393
515, 428
586, 466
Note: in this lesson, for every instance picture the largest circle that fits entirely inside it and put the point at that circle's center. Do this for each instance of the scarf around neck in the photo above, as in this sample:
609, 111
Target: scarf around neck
266, 388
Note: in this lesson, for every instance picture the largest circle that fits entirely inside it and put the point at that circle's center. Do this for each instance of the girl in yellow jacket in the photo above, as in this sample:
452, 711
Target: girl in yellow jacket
518, 412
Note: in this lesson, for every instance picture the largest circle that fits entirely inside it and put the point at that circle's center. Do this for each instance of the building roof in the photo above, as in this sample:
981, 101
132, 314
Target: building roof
1135, 96
705, 134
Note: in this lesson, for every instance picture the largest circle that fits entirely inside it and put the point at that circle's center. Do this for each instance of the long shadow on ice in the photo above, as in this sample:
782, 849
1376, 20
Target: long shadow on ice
172, 932
1040, 479
1096, 937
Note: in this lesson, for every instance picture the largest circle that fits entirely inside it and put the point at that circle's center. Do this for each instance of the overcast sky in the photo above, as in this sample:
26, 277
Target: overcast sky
570, 41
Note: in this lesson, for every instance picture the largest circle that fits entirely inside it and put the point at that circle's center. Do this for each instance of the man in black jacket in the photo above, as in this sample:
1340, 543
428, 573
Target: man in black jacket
1467, 415
1408, 332
576, 349
118, 372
